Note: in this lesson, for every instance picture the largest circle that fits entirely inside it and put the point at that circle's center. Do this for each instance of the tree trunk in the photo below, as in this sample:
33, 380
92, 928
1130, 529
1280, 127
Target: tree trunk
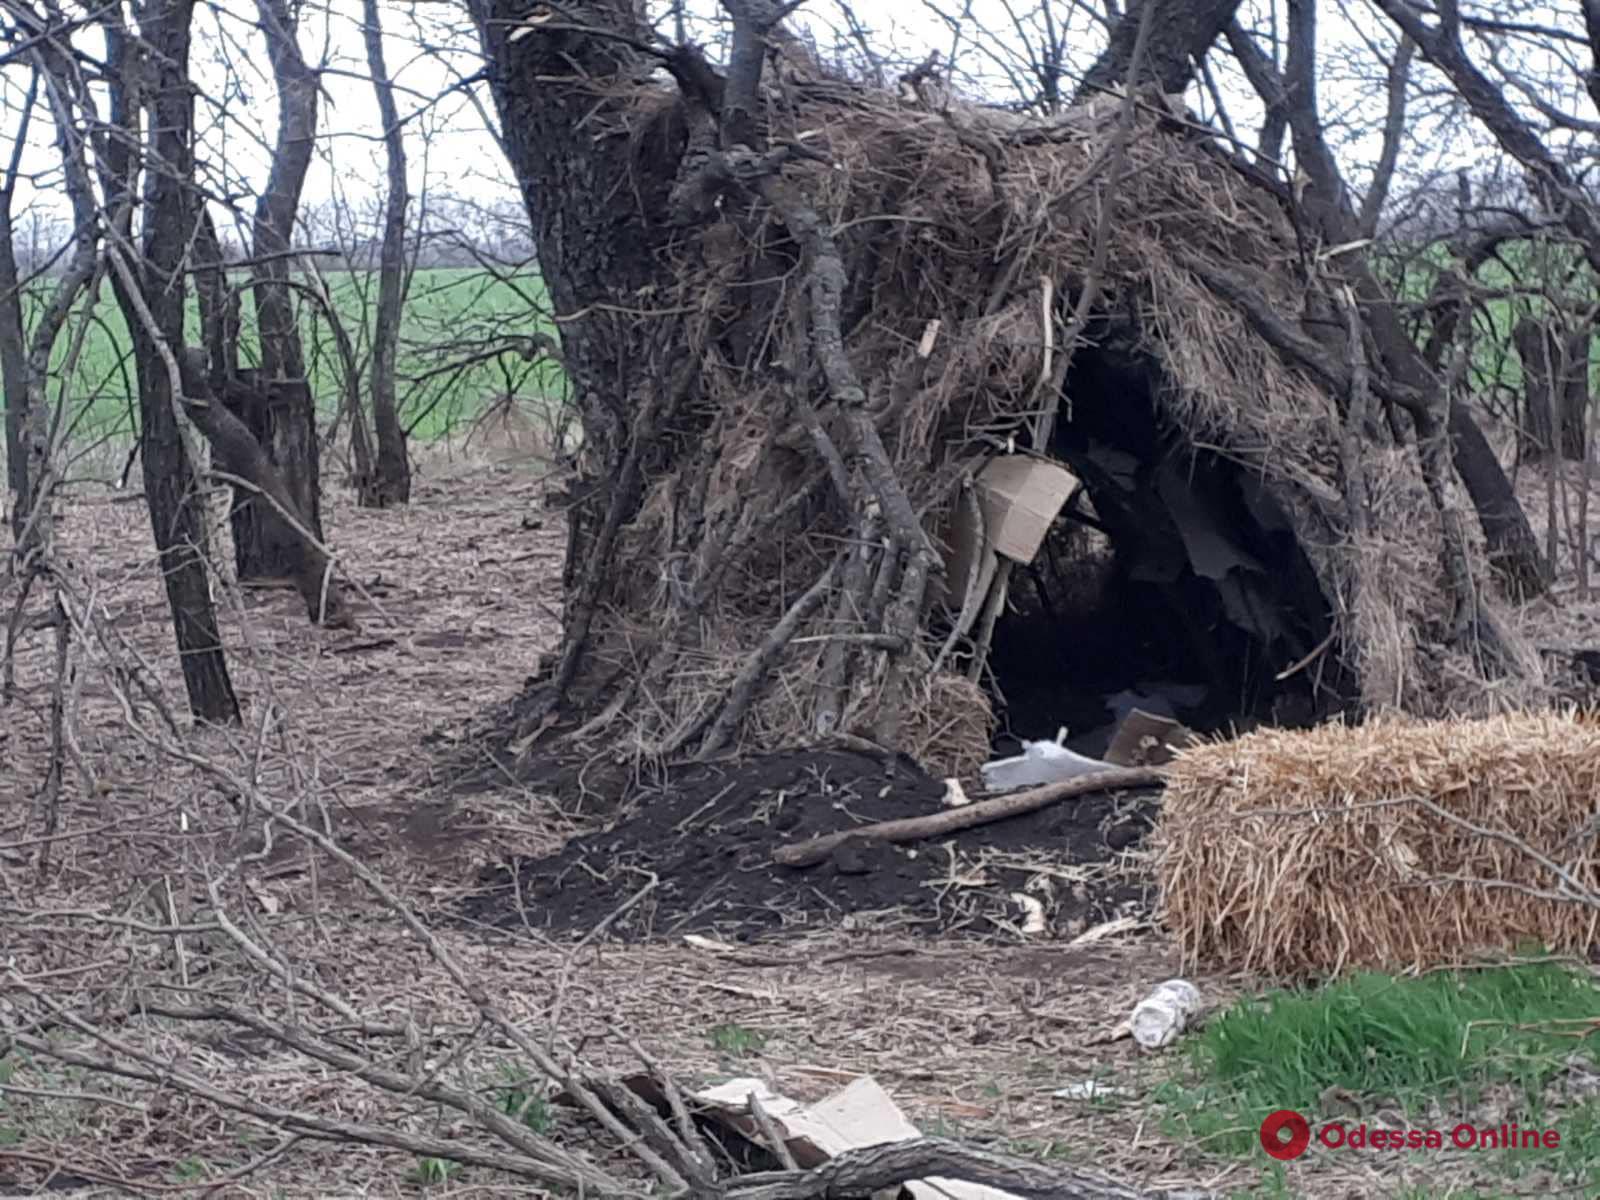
599, 209
175, 515
13, 371
275, 411
13, 335
1555, 388
219, 304
28, 404
1512, 547
1574, 439
265, 546
1181, 31
392, 484
235, 450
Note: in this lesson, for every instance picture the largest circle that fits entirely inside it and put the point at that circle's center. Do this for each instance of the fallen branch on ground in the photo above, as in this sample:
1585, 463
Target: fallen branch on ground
867, 1170
911, 829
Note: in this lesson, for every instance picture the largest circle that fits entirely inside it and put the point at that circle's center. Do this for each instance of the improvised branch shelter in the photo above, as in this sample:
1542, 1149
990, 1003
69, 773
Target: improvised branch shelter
1089, 289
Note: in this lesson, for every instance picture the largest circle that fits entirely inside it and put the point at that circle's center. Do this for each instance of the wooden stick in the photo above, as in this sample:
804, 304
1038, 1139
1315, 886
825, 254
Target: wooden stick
911, 829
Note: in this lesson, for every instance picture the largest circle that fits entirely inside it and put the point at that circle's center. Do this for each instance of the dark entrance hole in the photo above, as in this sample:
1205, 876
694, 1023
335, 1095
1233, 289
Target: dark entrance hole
1172, 582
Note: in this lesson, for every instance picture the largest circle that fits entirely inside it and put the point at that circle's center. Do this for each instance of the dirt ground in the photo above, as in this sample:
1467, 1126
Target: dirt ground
701, 846
905, 963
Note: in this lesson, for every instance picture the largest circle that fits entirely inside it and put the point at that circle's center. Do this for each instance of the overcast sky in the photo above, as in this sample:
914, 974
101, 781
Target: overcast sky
429, 47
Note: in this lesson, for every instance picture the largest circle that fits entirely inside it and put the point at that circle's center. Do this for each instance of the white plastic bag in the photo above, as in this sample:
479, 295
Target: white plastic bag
1039, 762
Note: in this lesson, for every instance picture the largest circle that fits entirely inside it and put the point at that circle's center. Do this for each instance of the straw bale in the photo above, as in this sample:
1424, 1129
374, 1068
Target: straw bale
1398, 844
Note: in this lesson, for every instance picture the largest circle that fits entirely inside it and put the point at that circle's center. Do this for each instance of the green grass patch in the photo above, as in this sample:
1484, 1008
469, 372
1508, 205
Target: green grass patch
190, 1170
1437, 1047
434, 1172
514, 1095
453, 321
517, 1099
736, 1040
1511, 283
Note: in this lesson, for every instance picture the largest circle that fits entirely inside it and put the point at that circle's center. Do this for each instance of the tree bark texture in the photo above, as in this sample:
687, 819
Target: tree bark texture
392, 484
1512, 548
238, 452
597, 192
1442, 422
13, 371
276, 411
13, 334
1180, 34
265, 546
175, 515
36, 425
873, 1169
1555, 390
218, 303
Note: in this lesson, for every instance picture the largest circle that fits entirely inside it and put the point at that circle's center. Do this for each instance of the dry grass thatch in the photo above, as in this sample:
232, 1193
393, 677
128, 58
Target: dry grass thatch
956, 219
1398, 844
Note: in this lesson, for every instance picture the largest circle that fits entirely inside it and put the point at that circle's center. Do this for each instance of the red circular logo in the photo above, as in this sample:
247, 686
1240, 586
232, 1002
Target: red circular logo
1275, 1144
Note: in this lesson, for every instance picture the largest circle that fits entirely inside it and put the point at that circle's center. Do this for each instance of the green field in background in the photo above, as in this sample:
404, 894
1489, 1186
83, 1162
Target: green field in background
450, 315
453, 315
1494, 369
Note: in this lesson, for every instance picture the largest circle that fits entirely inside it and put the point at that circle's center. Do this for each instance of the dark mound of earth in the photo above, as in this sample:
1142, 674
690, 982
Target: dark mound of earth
707, 835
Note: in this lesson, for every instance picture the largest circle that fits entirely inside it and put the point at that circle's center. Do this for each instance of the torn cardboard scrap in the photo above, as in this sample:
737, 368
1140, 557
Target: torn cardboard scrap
859, 1115
1019, 497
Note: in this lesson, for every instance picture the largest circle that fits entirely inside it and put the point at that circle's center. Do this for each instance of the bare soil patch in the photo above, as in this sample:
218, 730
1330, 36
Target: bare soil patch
702, 843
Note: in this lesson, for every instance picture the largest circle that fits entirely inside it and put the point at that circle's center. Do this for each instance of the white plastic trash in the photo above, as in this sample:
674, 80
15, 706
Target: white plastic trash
1089, 1089
1164, 1013
1039, 763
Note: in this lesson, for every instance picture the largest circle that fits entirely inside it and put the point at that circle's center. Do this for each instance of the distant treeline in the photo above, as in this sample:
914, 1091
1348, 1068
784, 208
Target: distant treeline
458, 233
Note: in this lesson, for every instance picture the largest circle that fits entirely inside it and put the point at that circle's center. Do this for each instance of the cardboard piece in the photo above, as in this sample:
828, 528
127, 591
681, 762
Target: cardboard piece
1020, 496
859, 1115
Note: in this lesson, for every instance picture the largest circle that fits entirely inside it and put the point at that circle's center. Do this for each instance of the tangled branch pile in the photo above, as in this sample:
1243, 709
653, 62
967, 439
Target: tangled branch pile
829, 388
1400, 844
